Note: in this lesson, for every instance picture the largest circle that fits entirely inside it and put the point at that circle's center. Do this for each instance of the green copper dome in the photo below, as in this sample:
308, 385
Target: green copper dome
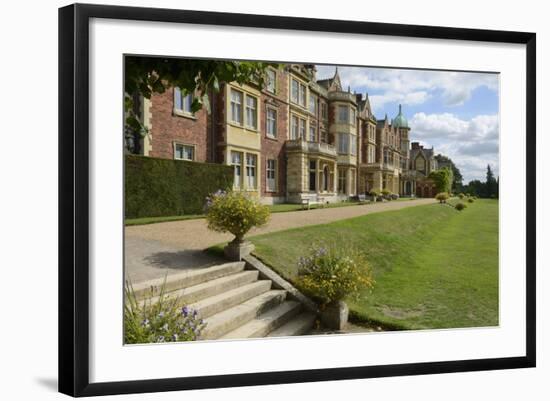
400, 121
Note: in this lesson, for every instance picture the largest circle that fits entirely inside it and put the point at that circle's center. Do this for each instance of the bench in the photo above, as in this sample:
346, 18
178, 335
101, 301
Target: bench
308, 200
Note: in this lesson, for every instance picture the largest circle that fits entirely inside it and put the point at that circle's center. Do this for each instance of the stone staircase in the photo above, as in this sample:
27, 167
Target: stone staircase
234, 302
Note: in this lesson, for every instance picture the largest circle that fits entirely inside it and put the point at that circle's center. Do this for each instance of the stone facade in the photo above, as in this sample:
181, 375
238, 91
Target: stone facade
296, 137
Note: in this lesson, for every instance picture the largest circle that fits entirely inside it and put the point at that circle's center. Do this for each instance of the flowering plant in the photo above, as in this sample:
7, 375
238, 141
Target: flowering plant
235, 212
333, 273
157, 322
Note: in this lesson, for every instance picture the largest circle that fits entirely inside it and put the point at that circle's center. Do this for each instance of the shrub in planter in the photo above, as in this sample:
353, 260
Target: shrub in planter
470, 200
460, 206
235, 212
331, 274
165, 320
442, 197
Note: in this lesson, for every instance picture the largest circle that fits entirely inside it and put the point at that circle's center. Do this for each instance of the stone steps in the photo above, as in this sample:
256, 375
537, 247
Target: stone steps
234, 302
213, 287
228, 320
297, 326
218, 303
266, 322
186, 279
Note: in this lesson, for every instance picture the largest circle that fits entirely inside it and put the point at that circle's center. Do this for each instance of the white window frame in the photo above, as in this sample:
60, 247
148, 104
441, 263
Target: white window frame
183, 146
251, 171
237, 178
302, 129
342, 181
294, 127
312, 102
353, 116
234, 106
343, 118
299, 97
343, 145
181, 109
312, 137
251, 112
353, 145
267, 122
271, 182
271, 85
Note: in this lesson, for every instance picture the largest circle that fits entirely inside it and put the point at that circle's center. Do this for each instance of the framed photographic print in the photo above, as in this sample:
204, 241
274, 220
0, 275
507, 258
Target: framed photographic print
251, 199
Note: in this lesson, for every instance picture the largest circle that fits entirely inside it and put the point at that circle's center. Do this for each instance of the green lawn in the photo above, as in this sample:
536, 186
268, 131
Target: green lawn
434, 267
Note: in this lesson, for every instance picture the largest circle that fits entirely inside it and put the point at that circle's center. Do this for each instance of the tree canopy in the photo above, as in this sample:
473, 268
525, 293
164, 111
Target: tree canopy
443, 179
457, 175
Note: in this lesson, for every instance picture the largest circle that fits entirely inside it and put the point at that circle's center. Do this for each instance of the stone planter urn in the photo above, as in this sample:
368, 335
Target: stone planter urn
237, 249
335, 315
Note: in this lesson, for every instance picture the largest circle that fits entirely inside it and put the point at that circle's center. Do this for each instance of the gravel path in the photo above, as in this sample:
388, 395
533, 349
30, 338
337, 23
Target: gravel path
153, 250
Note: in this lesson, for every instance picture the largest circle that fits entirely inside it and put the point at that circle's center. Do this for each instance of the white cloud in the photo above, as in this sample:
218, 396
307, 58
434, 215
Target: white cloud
455, 88
471, 144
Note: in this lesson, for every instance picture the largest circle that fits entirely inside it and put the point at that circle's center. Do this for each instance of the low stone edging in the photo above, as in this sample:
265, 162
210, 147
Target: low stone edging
280, 283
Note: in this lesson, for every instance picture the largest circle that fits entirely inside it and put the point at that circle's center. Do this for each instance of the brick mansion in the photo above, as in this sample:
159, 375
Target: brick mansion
296, 136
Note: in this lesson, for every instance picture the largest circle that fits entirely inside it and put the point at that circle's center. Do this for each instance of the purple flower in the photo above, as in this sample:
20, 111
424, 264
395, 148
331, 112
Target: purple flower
160, 339
145, 323
185, 311
161, 314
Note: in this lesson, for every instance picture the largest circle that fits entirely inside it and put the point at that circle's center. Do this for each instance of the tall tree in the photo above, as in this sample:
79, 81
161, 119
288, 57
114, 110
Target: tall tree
457, 175
490, 182
147, 75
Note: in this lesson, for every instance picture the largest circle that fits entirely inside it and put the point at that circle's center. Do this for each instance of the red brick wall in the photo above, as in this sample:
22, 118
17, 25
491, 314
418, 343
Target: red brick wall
273, 148
168, 128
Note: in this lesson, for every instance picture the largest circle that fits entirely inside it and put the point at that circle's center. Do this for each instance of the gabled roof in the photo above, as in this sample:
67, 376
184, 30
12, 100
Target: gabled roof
332, 84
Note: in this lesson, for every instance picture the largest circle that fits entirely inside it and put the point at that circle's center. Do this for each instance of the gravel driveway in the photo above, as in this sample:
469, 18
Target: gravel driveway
154, 250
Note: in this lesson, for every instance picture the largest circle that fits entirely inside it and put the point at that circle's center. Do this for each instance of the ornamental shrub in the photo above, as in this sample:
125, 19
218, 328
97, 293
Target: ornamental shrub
386, 192
157, 322
460, 206
235, 212
470, 200
442, 197
374, 192
461, 195
330, 274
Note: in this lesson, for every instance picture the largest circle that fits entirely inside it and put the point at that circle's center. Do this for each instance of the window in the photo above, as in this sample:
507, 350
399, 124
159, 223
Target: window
312, 175
251, 112
297, 128
183, 102
302, 128
324, 111
236, 161
353, 117
420, 166
341, 181
271, 122
353, 145
271, 84
343, 114
271, 183
313, 104
184, 152
298, 93
324, 136
250, 170
294, 91
236, 106
312, 134
343, 143
371, 154
302, 99
294, 128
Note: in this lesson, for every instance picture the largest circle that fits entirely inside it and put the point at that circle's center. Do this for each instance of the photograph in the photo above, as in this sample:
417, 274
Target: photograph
269, 199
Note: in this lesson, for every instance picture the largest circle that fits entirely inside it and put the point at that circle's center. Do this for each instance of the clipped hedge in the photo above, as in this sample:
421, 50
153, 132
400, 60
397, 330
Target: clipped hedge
160, 187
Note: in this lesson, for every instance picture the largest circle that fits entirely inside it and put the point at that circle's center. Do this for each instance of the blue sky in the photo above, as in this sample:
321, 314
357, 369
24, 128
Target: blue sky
455, 112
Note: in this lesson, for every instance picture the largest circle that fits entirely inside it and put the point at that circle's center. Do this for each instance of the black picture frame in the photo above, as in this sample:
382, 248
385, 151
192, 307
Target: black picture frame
74, 198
